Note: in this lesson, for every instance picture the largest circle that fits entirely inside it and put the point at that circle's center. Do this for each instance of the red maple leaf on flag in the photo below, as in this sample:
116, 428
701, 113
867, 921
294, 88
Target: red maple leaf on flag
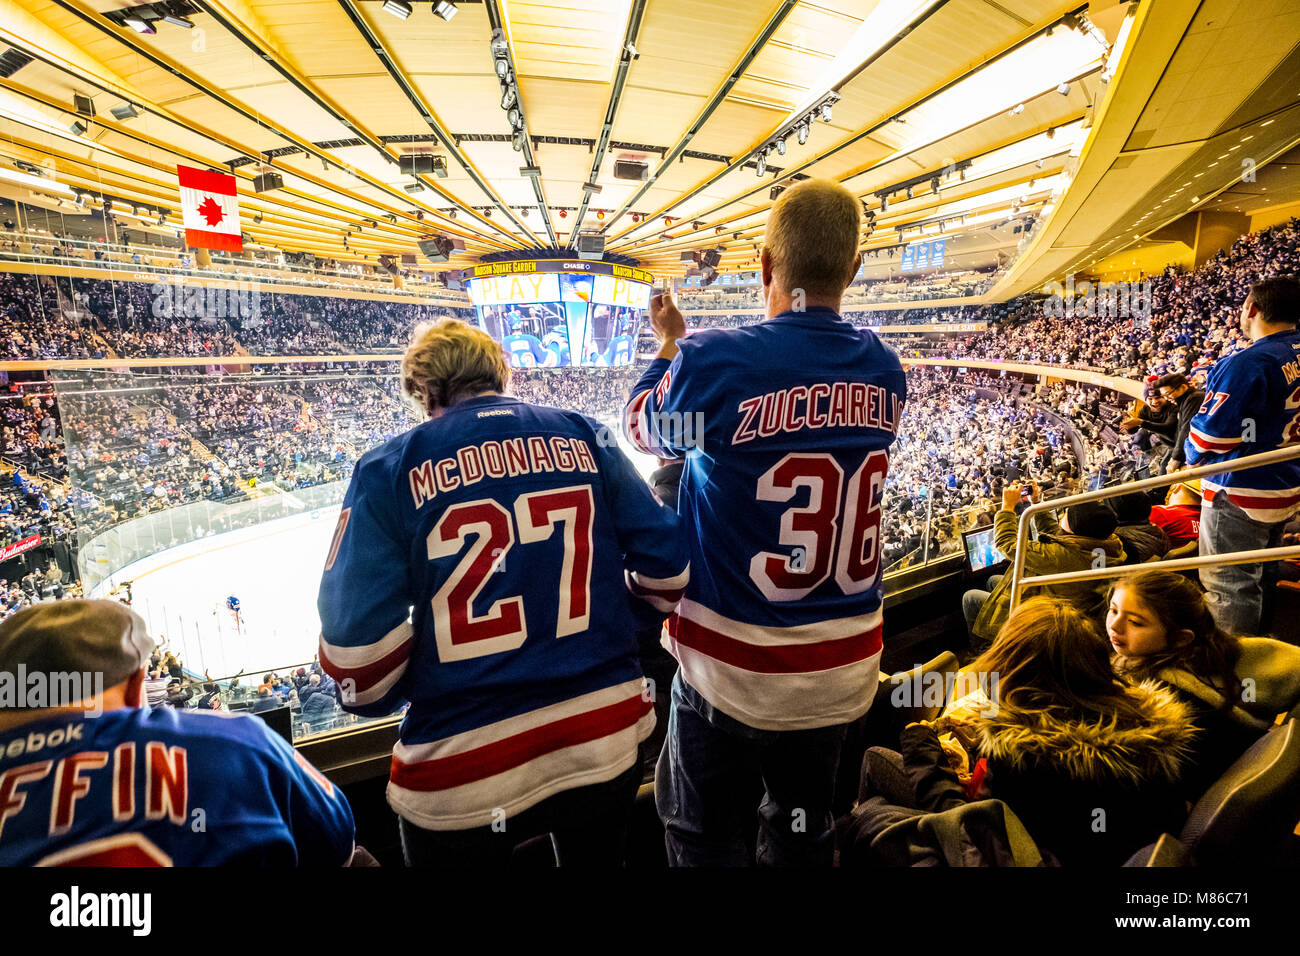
210, 210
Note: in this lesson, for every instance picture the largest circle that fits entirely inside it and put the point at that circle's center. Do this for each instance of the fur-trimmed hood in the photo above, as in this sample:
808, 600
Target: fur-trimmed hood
1098, 752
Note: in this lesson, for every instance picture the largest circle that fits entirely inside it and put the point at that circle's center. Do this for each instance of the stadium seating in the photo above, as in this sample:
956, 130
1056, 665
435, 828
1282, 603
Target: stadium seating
1247, 815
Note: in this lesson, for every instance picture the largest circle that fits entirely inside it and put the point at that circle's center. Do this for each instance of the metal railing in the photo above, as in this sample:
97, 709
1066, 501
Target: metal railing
1019, 583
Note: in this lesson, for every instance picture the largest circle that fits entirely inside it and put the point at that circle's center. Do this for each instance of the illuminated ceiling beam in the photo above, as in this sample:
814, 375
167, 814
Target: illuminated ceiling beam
243, 24
132, 133
501, 30
999, 61
635, 14
716, 100
399, 76
126, 39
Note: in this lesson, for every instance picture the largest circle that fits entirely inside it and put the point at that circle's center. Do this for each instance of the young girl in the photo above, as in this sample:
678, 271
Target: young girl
1090, 763
1160, 628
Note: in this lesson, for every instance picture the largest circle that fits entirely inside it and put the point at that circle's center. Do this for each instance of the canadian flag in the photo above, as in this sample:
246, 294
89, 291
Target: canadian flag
210, 209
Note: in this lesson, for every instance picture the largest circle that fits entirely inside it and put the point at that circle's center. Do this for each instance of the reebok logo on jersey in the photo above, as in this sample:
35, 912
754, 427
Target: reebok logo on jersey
495, 411
35, 740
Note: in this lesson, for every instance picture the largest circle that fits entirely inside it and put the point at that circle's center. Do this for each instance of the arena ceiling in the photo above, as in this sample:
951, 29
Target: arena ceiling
993, 97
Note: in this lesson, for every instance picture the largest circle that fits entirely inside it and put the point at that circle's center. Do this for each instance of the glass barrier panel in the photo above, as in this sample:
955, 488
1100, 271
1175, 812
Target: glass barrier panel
208, 501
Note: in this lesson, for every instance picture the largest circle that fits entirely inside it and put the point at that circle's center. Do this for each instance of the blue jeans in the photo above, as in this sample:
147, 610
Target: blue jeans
1236, 592
711, 773
972, 602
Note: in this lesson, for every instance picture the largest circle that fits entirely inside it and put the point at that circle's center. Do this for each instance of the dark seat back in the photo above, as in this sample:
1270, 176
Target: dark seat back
1249, 811
881, 725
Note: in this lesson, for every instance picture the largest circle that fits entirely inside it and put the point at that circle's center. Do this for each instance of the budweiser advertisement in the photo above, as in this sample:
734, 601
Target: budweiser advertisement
18, 547
210, 209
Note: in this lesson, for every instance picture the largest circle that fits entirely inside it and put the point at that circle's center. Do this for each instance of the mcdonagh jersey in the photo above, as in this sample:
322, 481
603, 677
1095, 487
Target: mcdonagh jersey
161, 787
1252, 405
508, 528
784, 426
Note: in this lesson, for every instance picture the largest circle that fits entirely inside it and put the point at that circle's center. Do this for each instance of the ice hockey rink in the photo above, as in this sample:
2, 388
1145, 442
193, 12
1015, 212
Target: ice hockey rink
274, 569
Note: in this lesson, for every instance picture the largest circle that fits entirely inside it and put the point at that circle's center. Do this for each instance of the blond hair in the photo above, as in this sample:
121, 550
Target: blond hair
449, 361
812, 237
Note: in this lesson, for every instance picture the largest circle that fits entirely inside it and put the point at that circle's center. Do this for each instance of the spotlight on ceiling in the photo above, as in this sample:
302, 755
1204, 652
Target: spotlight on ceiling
802, 132
124, 112
139, 25
760, 165
935, 185
445, 9
884, 203
515, 117
780, 147
518, 141
509, 97
397, 8
502, 66
826, 112
909, 192
1016, 110
1064, 89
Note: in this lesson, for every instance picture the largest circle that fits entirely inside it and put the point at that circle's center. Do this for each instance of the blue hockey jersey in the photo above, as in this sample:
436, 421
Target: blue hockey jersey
557, 352
619, 351
525, 351
161, 787
1252, 405
785, 427
508, 528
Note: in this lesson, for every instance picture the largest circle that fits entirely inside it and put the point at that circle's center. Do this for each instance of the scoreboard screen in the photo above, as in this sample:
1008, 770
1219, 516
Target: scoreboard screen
557, 313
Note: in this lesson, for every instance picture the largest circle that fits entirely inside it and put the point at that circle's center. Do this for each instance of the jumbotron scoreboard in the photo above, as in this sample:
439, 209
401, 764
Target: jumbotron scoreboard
551, 313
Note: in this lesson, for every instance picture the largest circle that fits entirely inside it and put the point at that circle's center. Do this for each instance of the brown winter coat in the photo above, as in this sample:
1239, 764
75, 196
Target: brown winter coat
1091, 791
